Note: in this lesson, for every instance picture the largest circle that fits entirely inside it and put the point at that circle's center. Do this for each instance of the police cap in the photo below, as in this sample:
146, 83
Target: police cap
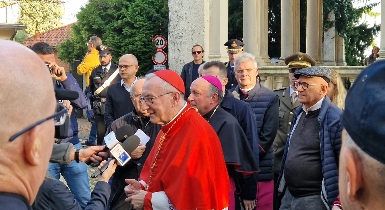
234, 46
104, 50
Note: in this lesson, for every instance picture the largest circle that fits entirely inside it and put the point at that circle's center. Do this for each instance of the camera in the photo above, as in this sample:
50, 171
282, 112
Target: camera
51, 71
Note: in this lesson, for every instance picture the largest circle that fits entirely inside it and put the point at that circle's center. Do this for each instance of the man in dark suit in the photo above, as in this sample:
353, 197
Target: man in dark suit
190, 70
234, 48
288, 104
98, 76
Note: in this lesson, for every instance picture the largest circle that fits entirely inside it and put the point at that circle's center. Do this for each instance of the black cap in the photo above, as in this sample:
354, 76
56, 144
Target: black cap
364, 115
103, 50
234, 46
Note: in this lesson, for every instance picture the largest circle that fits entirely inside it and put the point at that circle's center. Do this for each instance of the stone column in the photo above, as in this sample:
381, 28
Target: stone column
255, 29
340, 51
382, 37
314, 30
188, 25
329, 43
290, 27
218, 30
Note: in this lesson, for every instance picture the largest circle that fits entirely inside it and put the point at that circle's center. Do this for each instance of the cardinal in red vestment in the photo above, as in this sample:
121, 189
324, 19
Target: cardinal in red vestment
186, 167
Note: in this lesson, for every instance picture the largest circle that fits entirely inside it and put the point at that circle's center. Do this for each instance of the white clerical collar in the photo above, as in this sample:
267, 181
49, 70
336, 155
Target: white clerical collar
184, 106
314, 107
247, 90
125, 86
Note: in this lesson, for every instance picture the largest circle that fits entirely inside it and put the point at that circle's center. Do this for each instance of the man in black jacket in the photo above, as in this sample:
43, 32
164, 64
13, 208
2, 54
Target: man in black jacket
190, 70
137, 119
234, 49
98, 76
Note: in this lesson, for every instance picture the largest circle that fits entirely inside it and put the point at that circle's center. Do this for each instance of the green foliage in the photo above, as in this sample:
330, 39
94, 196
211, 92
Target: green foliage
20, 36
127, 26
40, 15
358, 36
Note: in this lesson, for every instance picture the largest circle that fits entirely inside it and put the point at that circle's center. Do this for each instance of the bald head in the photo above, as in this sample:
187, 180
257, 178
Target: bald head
26, 97
129, 58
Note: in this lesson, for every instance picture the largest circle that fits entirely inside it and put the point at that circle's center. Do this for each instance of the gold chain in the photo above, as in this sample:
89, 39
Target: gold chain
161, 140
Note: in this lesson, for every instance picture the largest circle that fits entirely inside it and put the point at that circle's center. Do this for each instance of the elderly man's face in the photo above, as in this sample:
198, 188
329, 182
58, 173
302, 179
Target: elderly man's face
199, 96
246, 74
135, 94
311, 90
156, 101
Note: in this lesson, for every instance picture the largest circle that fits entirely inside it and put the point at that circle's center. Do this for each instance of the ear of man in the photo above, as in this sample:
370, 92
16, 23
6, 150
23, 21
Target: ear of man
33, 145
355, 174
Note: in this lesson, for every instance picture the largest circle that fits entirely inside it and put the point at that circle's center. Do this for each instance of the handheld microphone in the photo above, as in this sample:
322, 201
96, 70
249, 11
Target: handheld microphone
120, 152
61, 94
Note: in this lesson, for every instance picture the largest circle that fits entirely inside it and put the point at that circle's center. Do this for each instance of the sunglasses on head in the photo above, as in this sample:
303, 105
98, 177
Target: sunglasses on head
196, 52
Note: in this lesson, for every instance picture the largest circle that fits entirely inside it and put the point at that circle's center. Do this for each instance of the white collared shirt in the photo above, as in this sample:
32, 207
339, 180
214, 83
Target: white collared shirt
107, 67
314, 107
125, 86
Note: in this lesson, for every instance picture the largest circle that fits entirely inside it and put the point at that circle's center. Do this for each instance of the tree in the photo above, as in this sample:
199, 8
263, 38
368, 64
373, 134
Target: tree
127, 26
40, 15
358, 36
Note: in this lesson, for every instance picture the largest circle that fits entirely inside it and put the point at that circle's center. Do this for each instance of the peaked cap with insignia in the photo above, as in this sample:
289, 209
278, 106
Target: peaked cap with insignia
234, 46
299, 60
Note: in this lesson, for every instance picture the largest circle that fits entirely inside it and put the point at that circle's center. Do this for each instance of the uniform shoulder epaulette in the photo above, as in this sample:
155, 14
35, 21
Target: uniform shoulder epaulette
226, 64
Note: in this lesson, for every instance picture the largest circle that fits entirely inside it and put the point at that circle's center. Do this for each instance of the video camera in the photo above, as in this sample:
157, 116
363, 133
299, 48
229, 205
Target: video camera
61, 131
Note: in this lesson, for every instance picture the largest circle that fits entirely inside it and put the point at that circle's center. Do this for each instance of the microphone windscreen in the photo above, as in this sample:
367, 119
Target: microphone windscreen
66, 94
131, 143
123, 132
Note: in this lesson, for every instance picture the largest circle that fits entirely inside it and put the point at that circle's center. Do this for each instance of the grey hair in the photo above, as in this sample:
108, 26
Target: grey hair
96, 41
134, 85
213, 90
244, 57
167, 87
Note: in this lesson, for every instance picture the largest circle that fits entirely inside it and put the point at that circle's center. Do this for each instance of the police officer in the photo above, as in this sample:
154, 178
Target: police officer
288, 104
98, 76
234, 48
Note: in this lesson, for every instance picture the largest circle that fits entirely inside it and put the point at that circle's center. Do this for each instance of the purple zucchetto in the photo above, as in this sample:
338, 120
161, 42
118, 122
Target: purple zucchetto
214, 81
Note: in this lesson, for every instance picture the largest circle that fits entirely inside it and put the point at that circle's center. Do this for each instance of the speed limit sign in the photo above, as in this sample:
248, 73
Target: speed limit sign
160, 41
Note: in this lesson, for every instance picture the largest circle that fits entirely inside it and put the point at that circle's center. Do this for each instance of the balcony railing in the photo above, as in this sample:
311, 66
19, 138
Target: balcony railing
275, 77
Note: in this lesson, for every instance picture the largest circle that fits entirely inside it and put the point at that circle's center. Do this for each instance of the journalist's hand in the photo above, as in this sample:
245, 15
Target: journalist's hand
58, 72
138, 152
85, 154
106, 175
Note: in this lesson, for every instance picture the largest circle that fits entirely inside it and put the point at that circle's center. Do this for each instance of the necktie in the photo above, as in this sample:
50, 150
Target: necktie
245, 94
104, 73
293, 97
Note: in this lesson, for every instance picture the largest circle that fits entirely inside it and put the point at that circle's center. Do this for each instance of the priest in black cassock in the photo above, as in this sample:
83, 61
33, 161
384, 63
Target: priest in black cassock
206, 95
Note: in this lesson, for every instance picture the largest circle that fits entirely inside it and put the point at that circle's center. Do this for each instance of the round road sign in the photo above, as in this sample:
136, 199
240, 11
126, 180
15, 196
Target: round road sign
159, 41
160, 57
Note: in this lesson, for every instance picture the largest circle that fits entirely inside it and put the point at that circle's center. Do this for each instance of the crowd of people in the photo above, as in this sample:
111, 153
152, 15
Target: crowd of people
218, 139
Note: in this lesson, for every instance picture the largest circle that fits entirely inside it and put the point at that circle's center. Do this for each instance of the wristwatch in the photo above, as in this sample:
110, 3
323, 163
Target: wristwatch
77, 155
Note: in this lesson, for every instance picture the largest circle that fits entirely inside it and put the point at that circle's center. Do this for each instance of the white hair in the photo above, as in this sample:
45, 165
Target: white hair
244, 57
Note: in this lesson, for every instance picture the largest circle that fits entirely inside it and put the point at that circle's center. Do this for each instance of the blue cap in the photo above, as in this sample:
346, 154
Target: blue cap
364, 115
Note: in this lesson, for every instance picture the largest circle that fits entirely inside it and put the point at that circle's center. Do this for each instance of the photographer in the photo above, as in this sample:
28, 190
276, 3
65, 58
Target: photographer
74, 173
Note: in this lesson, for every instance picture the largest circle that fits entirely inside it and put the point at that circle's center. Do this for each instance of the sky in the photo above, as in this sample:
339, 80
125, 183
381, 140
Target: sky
71, 8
